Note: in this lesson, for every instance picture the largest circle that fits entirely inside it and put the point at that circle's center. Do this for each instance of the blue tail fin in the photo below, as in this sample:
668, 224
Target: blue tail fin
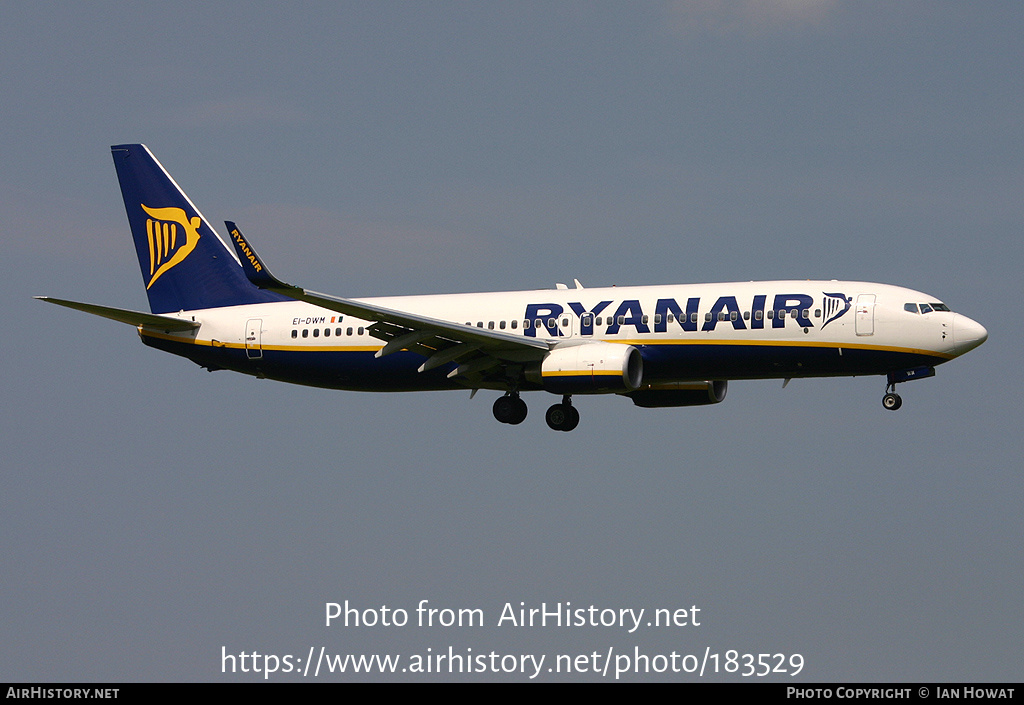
185, 265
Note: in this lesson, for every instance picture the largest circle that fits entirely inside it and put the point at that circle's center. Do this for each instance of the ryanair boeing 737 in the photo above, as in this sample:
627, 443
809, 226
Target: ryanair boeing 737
660, 346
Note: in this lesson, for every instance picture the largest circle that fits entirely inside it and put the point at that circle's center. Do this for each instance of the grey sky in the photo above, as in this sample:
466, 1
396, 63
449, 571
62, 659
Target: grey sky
154, 513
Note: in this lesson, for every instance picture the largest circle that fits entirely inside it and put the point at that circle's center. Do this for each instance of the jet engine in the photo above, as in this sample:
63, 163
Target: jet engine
591, 368
654, 396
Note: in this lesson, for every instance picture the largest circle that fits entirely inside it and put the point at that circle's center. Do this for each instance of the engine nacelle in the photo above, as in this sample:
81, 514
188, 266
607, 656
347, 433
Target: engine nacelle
591, 368
655, 396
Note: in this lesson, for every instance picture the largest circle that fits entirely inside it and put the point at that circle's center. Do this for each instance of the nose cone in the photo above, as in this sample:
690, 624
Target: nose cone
967, 334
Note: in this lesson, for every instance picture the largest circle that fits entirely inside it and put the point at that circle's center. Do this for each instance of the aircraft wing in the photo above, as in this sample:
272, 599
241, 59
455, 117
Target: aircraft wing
124, 315
476, 349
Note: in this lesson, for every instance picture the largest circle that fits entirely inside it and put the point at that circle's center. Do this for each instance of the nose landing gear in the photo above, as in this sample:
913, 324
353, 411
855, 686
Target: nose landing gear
891, 401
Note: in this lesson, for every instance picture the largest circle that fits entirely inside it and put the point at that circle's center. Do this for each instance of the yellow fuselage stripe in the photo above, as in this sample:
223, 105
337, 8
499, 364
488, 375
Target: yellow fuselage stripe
639, 343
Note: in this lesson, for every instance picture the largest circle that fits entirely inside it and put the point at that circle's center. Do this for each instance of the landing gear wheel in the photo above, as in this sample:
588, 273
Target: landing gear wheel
573, 421
519, 411
509, 409
562, 417
504, 409
556, 417
892, 401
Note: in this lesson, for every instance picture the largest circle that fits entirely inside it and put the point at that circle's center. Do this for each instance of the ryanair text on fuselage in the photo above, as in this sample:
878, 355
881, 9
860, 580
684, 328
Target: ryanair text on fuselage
726, 309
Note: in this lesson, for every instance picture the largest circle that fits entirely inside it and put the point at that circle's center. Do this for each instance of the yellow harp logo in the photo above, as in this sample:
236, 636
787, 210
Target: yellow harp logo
165, 250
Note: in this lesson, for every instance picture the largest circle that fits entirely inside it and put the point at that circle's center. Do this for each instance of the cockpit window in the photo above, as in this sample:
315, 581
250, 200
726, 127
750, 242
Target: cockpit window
925, 308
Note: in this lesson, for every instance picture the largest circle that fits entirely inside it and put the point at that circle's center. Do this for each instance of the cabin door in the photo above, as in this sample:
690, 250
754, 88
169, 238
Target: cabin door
253, 337
865, 318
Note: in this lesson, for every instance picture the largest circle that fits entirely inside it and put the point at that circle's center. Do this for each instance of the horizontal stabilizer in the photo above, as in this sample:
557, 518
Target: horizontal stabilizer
135, 318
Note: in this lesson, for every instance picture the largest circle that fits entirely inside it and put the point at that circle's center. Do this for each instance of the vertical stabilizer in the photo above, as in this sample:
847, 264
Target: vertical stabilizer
185, 265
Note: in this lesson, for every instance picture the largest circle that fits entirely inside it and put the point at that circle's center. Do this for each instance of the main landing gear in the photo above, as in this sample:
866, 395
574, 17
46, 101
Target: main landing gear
511, 409
563, 417
891, 401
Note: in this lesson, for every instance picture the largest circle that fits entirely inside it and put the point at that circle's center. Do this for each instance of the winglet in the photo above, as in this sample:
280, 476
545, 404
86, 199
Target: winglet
252, 265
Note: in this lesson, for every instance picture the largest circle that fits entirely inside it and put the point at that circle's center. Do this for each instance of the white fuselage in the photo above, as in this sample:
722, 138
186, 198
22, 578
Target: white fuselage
696, 331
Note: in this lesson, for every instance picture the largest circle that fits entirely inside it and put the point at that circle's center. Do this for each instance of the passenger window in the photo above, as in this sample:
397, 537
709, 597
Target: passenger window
479, 324
807, 312
770, 314
587, 321
657, 318
514, 324
502, 325
360, 331
490, 325
316, 332
565, 323
337, 331
348, 331
622, 320
733, 315
693, 317
295, 333
707, 317
643, 319
758, 315
305, 332
817, 313
327, 332
670, 318
746, 315
526, 324
598, 321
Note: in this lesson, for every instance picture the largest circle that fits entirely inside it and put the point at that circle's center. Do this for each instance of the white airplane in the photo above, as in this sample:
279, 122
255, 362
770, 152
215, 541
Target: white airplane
660, 346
